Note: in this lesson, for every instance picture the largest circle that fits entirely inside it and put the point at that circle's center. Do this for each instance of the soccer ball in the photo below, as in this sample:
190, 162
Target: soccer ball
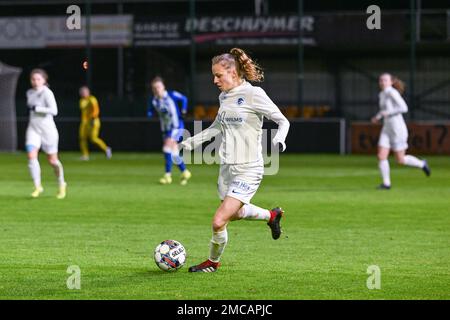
170, 255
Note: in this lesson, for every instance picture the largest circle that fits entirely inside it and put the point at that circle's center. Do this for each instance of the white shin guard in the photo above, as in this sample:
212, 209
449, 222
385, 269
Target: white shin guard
385, 172
252, 212
217, 245
413, 162
59, 171
35, 171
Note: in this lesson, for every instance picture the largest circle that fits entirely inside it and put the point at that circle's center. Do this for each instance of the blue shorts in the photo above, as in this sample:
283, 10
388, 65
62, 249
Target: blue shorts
175, 134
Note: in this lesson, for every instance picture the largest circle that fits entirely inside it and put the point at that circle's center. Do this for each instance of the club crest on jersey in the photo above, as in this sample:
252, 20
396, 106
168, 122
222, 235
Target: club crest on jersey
240, 101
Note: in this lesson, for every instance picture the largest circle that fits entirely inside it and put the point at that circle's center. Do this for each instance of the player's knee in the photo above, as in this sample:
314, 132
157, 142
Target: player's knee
32, 155
53, 161
218, 224
400, 160
239, 214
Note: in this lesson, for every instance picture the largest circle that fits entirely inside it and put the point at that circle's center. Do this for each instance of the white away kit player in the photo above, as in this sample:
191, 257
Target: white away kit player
42, 133
239, 121
394, 134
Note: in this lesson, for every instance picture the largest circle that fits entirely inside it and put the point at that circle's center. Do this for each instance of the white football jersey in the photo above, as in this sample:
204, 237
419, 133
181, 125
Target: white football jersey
239, 121
392, 106
45, 106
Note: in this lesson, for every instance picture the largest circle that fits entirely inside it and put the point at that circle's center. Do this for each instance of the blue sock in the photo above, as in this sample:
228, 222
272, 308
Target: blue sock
168, 158
179, 161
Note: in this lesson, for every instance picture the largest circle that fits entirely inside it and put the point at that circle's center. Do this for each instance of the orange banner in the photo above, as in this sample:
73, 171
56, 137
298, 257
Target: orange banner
424, 137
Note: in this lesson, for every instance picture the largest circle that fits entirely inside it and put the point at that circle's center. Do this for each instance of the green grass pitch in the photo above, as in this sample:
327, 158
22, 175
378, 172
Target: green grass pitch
336, 226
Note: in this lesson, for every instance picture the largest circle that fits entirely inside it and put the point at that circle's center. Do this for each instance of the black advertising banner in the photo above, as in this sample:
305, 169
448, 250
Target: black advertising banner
127, 30
323, 30
223, 30
160, 32
352, 30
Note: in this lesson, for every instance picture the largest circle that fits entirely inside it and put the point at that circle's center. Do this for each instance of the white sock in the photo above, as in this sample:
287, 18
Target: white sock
413, 162
385, 172
59, 172
252, 212
217, 245
35, 171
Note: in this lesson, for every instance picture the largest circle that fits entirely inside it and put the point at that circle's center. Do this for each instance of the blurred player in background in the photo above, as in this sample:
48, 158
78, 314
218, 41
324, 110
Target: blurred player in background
42, 132
394, 134
90, 124
170, 105
239, 120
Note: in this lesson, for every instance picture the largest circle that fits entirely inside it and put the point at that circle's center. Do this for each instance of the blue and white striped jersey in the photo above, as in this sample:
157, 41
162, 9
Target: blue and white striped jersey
169, 109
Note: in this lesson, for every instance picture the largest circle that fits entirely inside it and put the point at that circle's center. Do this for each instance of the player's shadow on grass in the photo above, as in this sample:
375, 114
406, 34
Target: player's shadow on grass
140, 277
159, 273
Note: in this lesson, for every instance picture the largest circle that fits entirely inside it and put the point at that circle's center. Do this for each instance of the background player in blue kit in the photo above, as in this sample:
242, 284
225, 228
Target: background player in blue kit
170, 105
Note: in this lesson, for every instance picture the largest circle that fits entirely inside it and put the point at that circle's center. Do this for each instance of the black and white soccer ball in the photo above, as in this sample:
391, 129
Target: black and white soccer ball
170, 255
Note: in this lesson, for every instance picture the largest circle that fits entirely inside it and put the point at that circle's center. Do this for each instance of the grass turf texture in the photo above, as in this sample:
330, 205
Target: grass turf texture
336, 225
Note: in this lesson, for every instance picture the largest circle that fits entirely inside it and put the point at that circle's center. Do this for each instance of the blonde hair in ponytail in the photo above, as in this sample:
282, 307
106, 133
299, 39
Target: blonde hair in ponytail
398, 84
245, 66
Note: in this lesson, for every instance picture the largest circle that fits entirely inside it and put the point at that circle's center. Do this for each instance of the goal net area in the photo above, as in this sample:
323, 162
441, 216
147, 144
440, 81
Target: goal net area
8, 125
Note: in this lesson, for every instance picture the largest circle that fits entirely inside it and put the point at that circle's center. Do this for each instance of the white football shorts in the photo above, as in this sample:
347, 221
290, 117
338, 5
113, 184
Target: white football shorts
39, 137
394, 138
240, 181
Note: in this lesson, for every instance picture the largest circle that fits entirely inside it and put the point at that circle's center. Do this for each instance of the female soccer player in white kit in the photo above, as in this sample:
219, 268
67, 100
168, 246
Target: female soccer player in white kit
239, 120
42, 132
394, 134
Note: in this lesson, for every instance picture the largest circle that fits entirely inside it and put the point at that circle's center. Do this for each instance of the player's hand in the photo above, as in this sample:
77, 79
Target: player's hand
279, 144
374, 120
184, 146
183, 112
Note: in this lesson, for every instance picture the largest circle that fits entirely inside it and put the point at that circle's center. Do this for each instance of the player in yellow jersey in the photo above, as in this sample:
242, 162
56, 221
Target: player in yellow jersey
90, 124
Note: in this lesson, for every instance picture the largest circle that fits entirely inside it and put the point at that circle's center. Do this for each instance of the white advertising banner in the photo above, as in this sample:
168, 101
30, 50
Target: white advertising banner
44, 32
23, 32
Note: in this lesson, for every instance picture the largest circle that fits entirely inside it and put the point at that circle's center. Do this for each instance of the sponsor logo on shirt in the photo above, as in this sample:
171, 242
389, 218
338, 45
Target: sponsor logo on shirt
230, 119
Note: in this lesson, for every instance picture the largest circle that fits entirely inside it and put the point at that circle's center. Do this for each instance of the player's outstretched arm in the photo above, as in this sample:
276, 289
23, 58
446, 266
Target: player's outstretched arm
264, 105
203, 136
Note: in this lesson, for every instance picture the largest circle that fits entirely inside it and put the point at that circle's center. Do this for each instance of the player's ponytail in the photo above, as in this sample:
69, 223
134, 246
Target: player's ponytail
398, 84
246, 67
